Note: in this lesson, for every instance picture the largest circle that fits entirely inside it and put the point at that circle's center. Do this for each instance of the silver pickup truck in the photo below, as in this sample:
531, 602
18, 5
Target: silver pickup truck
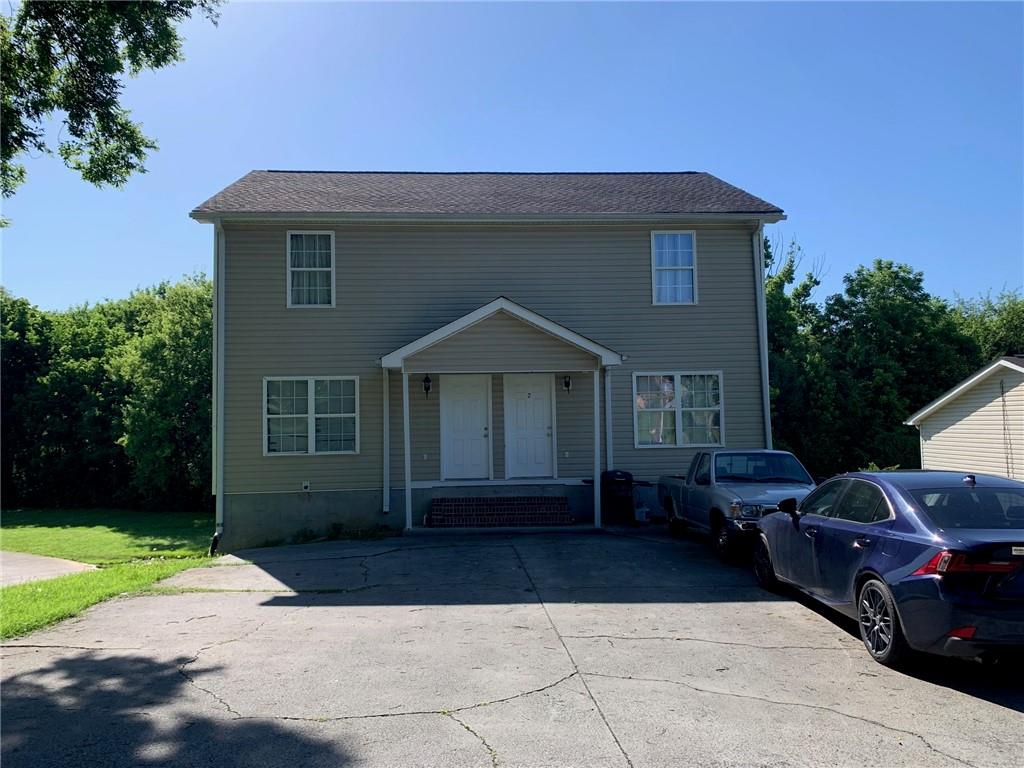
725, 493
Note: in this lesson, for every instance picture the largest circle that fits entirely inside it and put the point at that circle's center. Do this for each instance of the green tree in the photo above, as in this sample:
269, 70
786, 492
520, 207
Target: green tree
995, 325
68, 58
167, 409
25, 344
891, 348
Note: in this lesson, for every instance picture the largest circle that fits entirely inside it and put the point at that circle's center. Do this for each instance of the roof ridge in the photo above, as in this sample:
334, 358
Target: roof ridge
494, 173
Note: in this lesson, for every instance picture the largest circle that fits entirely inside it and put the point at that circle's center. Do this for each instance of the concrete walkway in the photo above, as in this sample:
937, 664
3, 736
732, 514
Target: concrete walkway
550, 650
19, 567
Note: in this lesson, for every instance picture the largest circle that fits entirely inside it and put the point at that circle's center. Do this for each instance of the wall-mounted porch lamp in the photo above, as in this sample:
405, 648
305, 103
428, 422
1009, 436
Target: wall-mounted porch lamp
427, 384
567, 384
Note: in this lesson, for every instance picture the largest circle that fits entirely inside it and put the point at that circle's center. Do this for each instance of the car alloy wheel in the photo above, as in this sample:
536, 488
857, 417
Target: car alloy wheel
879, 625
875, 621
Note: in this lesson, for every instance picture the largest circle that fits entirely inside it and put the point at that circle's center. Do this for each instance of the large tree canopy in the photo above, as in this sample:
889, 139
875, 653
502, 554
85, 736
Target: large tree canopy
67, 60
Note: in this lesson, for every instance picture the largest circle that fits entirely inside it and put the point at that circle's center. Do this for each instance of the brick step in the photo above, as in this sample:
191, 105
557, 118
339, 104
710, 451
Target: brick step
499, 511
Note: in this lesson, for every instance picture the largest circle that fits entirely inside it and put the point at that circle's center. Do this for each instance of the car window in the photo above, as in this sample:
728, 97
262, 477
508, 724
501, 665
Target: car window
703, 476
760, 467
973, 507
693, 468
864, 502
822, 500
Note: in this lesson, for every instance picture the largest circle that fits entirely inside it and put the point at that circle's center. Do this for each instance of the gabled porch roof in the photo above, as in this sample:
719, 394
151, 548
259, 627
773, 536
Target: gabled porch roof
606, 356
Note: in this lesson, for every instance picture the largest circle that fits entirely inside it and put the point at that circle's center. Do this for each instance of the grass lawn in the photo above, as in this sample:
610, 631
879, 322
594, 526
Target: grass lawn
133, 549
103, 536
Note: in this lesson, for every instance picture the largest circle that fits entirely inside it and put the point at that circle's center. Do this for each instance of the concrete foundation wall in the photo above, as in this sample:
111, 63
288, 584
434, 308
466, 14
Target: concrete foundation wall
258, 519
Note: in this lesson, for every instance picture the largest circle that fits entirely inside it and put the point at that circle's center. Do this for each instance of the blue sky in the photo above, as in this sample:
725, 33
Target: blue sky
892, 131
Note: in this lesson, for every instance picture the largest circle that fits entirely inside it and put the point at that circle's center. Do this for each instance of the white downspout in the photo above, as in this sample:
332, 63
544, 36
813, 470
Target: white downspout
219, 267
762, 328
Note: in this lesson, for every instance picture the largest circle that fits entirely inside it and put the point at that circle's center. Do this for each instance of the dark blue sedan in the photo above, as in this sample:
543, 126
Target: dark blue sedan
929, 561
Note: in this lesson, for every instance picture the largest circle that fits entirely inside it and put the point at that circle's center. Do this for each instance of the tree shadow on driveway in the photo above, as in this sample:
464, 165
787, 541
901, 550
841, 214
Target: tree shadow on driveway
96, 709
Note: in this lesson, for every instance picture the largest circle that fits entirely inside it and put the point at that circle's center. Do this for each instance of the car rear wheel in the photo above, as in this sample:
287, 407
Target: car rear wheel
879, 624
764, 571
676, 527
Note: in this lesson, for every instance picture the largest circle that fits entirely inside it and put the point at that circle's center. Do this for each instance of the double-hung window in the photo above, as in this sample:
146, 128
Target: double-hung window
311, 415
674, 267
310, 269
677, 409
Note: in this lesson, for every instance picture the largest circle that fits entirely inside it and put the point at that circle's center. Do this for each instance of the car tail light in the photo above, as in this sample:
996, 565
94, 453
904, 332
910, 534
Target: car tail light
964, 633
956, 562
938, 564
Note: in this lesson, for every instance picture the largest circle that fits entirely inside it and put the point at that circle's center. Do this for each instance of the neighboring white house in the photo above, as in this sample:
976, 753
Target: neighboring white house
978, 425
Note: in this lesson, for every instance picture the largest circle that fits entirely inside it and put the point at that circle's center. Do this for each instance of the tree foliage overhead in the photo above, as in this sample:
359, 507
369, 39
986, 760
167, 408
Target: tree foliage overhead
67, 59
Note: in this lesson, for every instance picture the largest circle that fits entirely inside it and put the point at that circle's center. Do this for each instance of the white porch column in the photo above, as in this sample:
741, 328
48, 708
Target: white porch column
387, 442
609, 455
408, 449
597, 448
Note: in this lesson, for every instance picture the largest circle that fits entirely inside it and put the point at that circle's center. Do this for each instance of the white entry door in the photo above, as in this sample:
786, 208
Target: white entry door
465, 427
528, 425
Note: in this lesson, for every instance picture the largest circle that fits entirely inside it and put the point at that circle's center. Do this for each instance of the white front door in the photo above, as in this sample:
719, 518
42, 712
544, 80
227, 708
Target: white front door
528, 425
465, 427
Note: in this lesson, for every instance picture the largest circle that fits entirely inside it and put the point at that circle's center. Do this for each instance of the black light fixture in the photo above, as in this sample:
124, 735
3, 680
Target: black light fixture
426, 385
567, 384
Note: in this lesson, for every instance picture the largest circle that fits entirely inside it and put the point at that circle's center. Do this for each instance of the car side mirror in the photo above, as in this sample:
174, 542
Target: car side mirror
789, 507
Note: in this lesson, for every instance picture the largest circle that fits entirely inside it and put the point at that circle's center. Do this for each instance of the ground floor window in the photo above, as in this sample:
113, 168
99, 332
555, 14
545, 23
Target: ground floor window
677, 408
311, 415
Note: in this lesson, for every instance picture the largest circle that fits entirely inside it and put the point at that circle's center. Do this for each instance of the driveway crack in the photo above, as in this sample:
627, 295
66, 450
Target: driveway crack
685, 638
575, 666
490, 750
803, 705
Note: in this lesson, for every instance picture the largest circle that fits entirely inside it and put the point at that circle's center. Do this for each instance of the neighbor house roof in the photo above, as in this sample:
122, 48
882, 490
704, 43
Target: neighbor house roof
458, 195
1013, 363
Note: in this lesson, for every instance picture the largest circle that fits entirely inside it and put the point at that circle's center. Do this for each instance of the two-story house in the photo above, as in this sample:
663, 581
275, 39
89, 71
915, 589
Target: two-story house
384, 341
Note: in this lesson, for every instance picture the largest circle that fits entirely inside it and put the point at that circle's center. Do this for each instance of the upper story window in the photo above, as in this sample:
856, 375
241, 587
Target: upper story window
677, 409
310, 269
674, 267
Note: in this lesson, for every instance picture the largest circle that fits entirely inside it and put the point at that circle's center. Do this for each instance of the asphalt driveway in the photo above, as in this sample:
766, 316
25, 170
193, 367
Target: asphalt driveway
580, 649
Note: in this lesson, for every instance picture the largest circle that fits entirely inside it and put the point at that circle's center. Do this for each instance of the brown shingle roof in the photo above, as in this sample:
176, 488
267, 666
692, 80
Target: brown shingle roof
482, 194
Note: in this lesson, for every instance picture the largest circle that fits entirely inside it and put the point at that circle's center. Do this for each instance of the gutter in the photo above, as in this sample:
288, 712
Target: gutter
762, 335
461, 218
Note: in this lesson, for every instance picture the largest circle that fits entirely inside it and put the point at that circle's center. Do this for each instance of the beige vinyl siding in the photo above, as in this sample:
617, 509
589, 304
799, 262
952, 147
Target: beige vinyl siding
982, 430
574, 420
500, 343
396, 284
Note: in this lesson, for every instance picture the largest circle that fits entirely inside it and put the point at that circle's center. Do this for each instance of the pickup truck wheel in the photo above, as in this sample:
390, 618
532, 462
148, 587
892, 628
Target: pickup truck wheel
722, 540
764, 571
676, 527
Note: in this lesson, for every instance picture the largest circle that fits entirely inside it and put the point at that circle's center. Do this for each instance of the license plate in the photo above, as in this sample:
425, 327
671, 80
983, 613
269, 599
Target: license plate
1017, 550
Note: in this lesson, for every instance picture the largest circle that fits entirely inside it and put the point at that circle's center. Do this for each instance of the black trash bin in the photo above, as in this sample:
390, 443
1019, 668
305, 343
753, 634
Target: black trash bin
617, 497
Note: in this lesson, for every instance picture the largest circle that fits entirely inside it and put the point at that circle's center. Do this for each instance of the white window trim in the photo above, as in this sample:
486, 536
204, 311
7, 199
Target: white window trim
654, 269
310, 415
679, 410
288, 268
